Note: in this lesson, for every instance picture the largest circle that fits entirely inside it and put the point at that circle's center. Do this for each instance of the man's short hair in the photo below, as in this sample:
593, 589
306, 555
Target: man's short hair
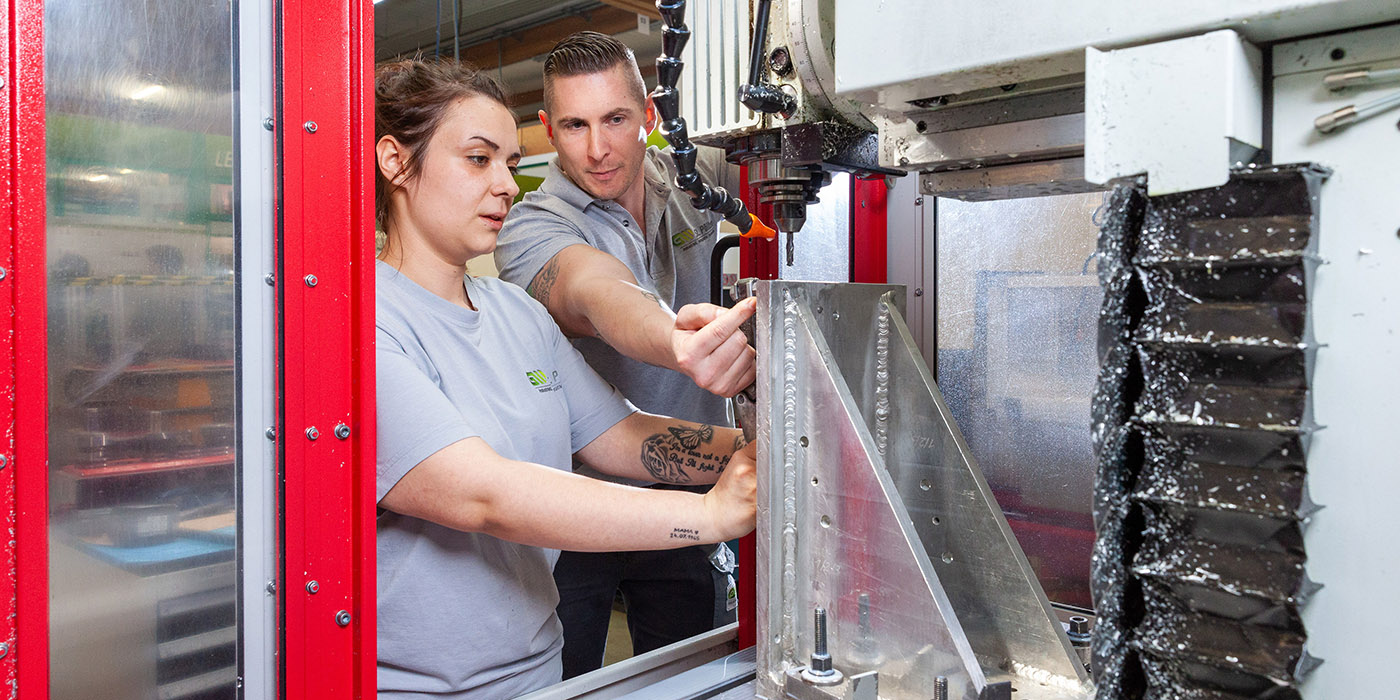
585, 53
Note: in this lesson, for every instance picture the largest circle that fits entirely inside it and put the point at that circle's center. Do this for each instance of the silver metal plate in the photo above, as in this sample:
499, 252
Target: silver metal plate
871, 507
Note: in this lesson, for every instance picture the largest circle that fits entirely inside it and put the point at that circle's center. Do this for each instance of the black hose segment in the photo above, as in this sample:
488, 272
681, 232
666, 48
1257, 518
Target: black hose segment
724, 245
755, 94
674, 35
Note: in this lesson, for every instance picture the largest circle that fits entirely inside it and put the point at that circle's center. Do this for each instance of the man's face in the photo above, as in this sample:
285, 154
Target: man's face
599, 128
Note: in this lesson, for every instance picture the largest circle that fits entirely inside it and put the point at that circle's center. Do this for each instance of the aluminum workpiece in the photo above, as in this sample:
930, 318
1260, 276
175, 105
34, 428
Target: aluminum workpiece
872, 509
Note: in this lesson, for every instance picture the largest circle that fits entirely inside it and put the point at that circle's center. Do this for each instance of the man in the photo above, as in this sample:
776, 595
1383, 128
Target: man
610, 247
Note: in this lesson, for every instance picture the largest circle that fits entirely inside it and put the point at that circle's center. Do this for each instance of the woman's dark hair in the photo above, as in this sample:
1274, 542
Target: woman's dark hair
411, 98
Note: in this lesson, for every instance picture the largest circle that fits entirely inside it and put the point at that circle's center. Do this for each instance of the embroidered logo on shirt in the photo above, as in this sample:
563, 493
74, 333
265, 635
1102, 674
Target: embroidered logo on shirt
543, 382
687, 239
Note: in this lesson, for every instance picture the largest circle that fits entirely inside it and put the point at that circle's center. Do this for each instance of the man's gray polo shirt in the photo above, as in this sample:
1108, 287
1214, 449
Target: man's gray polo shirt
670, 257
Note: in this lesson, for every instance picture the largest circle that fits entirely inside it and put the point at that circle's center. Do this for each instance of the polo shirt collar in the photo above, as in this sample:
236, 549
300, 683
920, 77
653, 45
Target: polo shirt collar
560, 185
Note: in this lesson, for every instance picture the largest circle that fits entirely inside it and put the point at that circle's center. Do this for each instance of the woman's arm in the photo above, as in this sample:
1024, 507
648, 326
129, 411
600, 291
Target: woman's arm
467, 486
664, 449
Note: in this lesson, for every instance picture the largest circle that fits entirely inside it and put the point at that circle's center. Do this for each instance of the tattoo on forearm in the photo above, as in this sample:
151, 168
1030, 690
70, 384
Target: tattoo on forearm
652, 297
740, 442
677, 455
685, 533
543, 283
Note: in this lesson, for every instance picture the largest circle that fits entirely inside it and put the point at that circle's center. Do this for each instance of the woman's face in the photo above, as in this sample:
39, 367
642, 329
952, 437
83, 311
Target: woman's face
465, 183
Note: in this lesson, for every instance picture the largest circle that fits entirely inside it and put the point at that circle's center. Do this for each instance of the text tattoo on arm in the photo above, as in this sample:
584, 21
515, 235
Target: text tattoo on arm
544, 282
677, 455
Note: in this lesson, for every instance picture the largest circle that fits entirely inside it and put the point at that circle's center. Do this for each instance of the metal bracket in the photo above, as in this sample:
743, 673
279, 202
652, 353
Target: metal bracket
871, 506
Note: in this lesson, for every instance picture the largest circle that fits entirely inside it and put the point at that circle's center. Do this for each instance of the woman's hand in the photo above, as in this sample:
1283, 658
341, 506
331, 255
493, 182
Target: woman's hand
732, 503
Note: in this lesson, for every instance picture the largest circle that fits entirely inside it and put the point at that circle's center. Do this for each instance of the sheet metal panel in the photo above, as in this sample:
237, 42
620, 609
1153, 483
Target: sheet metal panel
326, 300
941, 47
23, 356
1354, 308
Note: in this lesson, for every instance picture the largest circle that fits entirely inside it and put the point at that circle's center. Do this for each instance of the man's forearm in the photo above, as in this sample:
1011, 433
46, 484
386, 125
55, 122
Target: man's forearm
631, 320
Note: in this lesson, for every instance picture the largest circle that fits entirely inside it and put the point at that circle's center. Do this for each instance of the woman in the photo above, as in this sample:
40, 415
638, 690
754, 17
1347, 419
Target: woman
483, 405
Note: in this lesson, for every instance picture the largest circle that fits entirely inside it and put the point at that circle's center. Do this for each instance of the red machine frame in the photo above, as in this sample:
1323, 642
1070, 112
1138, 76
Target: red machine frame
325, 261
24, 499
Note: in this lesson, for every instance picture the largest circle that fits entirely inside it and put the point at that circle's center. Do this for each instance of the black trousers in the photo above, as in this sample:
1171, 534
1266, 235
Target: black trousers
671, 595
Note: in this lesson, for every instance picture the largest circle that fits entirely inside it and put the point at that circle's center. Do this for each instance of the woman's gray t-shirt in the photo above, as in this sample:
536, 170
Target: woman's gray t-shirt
467, 615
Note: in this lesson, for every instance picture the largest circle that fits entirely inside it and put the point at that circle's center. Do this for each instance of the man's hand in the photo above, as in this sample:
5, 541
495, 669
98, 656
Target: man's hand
733, 502
710, 348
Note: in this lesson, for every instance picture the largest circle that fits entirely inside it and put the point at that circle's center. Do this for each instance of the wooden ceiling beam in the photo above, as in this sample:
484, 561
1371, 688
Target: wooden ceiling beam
641, 7
528, 43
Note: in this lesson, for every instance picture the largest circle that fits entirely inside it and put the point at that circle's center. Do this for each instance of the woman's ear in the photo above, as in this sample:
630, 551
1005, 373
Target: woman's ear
391, 157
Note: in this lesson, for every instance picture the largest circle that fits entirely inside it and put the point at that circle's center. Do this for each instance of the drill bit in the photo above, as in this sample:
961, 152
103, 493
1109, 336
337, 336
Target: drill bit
789, 249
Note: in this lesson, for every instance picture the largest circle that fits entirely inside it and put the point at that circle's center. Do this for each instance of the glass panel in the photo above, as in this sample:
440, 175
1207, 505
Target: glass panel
1018, 302
141, 348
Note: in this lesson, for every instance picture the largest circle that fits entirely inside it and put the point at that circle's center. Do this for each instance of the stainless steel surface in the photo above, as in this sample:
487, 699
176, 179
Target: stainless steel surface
726, 677
143, 195
1017, 306
902, 146
1010, 181
662, 673
866, 492
785, 188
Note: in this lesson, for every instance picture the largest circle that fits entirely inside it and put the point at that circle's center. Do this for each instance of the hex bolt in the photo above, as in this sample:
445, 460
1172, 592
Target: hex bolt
3, 273
1081, 638
4, 650
4, 461
313, 587
940, 688
312, 433
271, 587
342, 431
1078, 627
2, 87
820, 672
268, 123
310, 127
918, 201
918, 291
821, 660
310, 280
270, 433
342, 618
270, 279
